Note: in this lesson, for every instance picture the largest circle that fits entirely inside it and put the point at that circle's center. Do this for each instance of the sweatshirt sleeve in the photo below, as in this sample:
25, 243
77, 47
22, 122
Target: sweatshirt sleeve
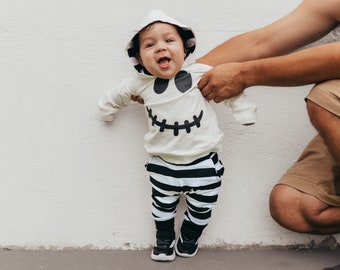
243, 109
116, 98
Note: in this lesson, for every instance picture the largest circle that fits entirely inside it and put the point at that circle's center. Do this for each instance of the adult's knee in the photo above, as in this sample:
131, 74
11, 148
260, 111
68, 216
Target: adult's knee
276, 202
284, 206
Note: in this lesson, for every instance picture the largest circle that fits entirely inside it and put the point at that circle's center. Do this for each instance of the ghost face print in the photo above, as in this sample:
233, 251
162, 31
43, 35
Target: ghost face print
162, 50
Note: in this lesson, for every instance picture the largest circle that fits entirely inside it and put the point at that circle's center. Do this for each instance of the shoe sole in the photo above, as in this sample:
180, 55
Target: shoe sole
163, 257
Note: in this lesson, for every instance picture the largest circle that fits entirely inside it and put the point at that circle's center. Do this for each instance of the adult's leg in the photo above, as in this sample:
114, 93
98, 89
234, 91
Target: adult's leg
307, 199
323, 106
328, 126
301, 212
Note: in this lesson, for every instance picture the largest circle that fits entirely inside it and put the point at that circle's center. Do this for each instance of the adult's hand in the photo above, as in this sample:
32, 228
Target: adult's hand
223, 82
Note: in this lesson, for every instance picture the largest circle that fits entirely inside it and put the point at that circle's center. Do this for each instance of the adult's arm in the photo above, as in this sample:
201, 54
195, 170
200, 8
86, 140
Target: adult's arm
311, 20
300, 68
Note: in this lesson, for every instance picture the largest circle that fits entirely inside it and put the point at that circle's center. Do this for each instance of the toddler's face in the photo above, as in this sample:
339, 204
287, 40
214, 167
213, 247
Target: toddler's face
161, 51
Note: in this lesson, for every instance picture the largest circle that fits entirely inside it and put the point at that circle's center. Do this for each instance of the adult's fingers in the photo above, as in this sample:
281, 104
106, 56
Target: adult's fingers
203, 85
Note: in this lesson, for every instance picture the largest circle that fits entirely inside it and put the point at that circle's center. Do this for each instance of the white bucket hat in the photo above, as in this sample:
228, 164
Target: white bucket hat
160, 16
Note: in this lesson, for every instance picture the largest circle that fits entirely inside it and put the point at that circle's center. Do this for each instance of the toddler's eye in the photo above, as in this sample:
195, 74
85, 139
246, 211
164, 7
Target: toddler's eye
148, 45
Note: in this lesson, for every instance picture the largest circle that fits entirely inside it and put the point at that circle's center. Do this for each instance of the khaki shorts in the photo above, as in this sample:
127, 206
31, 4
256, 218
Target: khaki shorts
316, 172
327, 95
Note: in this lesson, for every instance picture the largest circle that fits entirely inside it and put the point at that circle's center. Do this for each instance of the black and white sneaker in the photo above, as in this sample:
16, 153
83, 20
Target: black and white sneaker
186, 247
164, 251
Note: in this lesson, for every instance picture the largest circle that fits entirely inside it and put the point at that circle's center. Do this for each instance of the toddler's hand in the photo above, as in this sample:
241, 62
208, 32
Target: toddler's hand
137, 99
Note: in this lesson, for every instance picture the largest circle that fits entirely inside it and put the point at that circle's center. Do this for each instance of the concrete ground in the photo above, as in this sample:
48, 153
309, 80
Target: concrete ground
314, 259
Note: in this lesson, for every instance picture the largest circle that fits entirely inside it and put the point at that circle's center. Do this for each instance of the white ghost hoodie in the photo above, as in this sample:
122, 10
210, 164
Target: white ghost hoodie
182, 124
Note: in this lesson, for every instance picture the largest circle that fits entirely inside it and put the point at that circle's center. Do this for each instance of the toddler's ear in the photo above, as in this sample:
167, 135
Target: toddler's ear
186, 52
137, 56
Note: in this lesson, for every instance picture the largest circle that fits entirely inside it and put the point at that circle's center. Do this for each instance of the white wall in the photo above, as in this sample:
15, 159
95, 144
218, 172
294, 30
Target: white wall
67, 180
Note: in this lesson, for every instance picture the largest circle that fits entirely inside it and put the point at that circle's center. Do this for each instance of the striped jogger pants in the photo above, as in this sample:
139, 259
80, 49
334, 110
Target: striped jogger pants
199, 181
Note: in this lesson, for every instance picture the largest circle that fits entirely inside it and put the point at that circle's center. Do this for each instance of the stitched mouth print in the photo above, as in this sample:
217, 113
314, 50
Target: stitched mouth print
176, 126
183, 82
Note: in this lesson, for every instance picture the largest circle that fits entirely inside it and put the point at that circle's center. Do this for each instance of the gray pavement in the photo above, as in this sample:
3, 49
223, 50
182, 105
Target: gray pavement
206, 259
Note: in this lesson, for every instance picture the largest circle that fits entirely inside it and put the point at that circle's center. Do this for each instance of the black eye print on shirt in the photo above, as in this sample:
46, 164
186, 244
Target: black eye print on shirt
160, 85
183, 82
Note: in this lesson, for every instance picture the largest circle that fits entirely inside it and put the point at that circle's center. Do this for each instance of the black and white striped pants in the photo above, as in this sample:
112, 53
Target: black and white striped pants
200, 181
